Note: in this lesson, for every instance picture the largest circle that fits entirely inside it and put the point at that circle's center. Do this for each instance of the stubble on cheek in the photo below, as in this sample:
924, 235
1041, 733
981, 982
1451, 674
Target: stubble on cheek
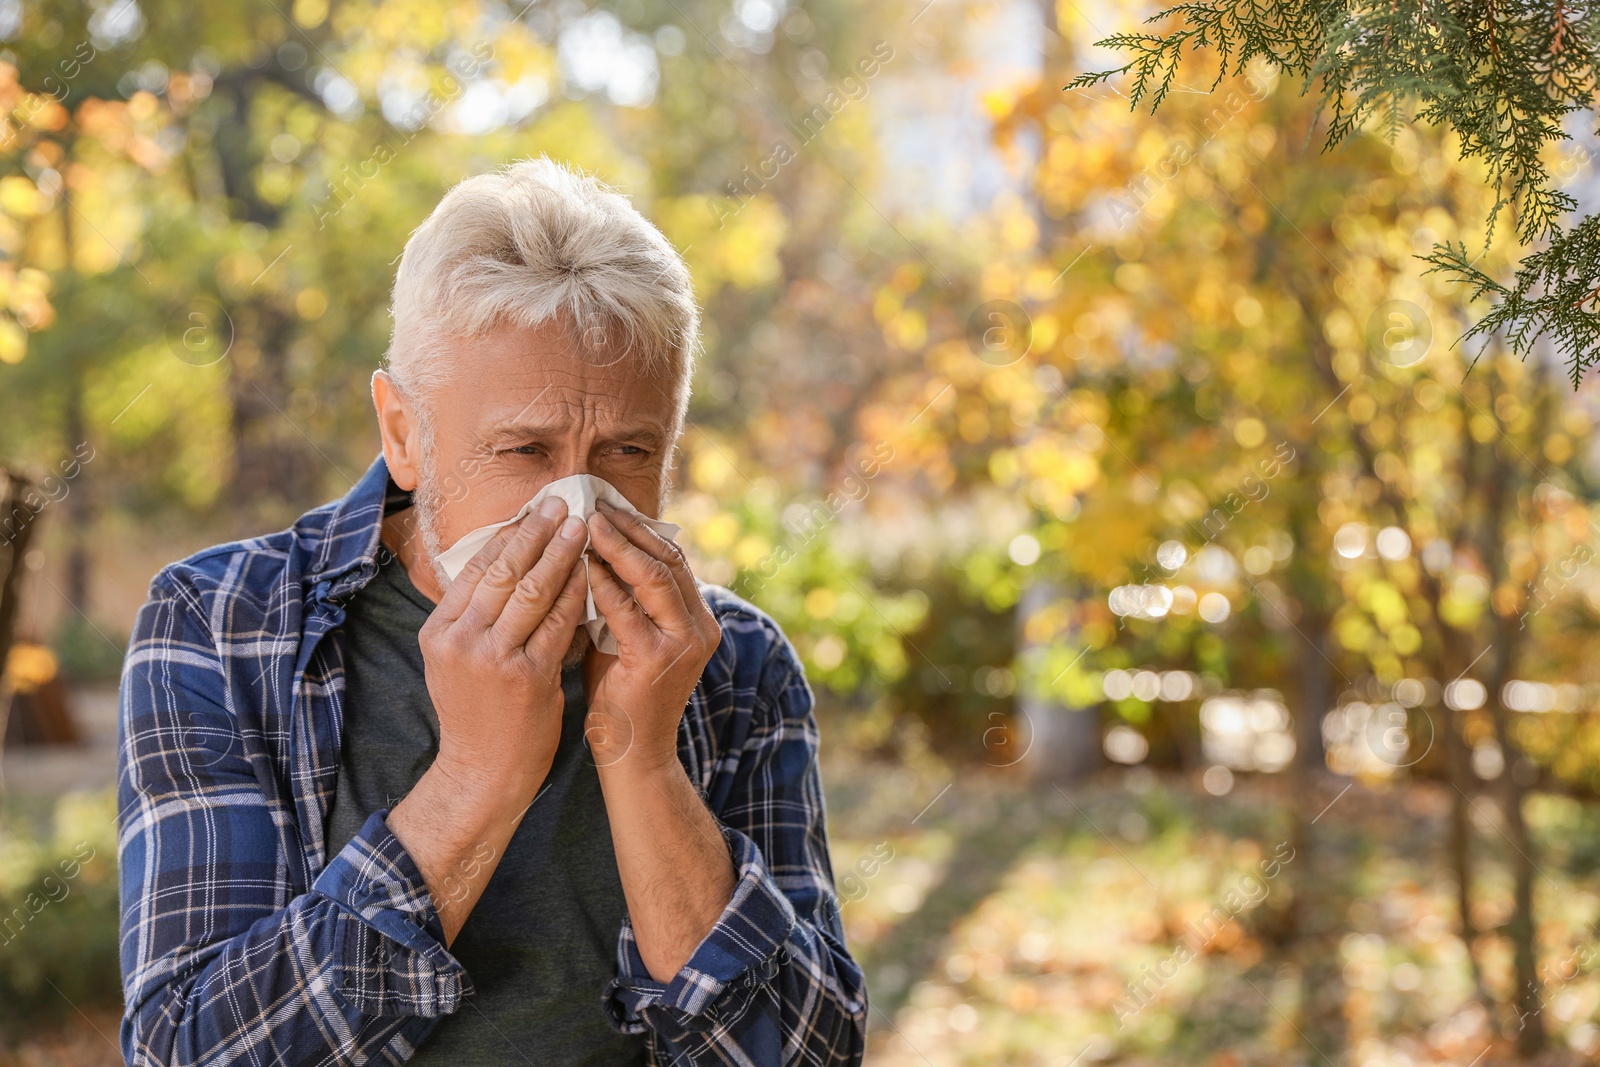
425, 500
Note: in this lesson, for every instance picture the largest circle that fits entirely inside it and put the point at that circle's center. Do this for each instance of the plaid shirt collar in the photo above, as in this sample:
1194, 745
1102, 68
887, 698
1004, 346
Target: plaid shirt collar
347, 553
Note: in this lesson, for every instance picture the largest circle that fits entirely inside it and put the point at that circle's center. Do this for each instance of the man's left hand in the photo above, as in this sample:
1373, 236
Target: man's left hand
665, 635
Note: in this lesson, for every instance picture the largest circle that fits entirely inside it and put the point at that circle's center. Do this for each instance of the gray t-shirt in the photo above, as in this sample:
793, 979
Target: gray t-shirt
541, 943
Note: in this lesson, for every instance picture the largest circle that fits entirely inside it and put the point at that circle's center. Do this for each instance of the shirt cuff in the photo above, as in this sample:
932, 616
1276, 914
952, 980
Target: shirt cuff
392, 959
743, 949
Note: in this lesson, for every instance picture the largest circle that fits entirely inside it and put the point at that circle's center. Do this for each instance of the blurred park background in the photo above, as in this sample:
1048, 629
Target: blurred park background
1204, 642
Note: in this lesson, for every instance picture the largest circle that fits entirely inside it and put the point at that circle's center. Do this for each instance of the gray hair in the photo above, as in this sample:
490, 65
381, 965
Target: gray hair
537, 242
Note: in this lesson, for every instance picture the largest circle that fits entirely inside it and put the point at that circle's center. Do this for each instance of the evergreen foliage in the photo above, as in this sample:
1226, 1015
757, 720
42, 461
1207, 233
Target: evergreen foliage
1506, 77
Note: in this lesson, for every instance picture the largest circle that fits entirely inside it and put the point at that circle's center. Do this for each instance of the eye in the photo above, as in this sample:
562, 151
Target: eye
524, 450
630, 450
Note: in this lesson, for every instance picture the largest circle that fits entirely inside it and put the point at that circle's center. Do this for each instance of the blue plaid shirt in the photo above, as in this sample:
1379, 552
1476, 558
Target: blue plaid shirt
244, 941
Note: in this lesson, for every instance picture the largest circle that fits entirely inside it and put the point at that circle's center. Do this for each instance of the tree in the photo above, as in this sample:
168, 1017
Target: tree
1506, 79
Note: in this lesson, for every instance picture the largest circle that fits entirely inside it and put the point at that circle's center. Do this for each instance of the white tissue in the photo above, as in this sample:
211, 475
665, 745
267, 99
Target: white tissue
580, 491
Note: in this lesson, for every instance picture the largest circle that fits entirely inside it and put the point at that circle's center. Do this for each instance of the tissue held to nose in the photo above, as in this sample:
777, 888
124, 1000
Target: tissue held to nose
581, 492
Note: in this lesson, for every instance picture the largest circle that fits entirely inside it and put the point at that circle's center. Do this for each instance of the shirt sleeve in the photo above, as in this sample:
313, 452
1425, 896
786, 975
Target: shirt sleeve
772, 981
221, 962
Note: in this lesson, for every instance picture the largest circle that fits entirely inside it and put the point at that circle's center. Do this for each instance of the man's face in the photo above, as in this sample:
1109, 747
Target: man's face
523, 409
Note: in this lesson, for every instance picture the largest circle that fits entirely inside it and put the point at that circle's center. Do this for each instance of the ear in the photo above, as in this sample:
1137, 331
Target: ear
402, 443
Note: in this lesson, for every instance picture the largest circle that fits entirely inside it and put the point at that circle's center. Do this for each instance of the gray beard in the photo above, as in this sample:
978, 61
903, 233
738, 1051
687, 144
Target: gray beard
425, 502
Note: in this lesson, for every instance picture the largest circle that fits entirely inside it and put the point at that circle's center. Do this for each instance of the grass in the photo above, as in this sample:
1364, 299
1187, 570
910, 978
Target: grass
1006, 923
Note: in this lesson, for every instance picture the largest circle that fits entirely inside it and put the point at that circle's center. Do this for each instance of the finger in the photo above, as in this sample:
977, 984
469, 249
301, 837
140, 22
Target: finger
516, 559
530, 601
627, 619
553, 636
652, 581
458, 594
637, 531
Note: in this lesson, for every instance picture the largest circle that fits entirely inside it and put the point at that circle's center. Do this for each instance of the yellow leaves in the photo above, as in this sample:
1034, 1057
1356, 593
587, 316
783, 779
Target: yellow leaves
1248, 311
1508, 407
105, 121
820, 602
1046, 328
728, 241
973, 423
237, 270
717, 534
311, 304
885, 305
1507, 599
142, 106
907, 331
1056, 471
1347, 364
310, 13
1132, 277
275, 182
13, 341
30, 666
1385, 604
903, 328
1340, 329
1004, 467
750, 550
21, 199
25, 294
999, 103
136, 420
907, 279
1405, 639
1019, 231
1353, 632
747, 255
710, 469
521, 56
1249, 432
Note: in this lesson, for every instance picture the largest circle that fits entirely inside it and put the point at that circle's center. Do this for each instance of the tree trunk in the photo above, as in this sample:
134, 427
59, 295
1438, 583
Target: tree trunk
77, 505
1062, 743
1507, 634
273, 461
16, 529
1458, 768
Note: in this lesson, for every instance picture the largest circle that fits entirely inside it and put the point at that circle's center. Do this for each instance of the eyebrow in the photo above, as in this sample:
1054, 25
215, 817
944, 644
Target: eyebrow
524, 430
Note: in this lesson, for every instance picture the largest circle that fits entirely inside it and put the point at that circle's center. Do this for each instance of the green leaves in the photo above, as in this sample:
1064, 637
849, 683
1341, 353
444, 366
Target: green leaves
1504, 78
1556, 295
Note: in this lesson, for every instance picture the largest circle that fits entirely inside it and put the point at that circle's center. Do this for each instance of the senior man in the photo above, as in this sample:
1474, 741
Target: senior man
373, 813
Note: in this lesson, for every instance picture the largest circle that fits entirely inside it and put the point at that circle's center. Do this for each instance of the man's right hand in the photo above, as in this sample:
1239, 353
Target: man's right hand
492, 650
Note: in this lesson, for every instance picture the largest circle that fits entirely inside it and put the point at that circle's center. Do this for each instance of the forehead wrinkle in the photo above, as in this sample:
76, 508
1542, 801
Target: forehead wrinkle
592, 413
